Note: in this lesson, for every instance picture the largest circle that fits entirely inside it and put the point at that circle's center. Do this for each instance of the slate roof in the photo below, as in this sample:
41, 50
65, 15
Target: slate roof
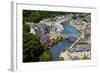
80, 48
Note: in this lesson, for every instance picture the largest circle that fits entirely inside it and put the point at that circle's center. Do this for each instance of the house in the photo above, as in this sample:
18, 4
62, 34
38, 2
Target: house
79, 52
32, 30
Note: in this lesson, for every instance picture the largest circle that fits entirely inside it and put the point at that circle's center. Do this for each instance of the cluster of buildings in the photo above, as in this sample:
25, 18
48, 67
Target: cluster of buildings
46, 28
42, 30
79, 52
83, 26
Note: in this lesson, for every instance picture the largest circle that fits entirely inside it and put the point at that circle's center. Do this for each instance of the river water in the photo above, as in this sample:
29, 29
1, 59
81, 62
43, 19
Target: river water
68, 29
61, 46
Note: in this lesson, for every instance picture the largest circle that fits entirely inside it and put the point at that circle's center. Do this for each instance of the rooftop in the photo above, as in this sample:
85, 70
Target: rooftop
80, 48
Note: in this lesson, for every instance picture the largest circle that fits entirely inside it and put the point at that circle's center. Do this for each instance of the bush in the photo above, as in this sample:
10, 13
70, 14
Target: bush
85, 57
33, 49
61, 59
45, 57
26, 28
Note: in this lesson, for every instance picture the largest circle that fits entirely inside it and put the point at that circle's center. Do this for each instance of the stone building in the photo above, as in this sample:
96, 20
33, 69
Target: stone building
79, 52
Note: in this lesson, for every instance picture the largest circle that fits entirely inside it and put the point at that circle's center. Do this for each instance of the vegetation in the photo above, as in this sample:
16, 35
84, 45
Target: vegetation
45, 56
85, 57
33, 50
80, 15
36, 16
83, 43
61, 59
26, 28
56, 40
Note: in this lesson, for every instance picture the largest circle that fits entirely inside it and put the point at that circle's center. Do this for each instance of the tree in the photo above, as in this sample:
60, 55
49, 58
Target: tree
45, 56
26, 28
33, 49
61, 59
36, 16
85, 57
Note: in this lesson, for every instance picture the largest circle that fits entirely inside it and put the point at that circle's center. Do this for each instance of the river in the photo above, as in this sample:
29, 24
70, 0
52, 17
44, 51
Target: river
61, 46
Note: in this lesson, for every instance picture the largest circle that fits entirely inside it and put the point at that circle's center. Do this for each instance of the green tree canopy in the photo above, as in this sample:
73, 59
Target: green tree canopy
33, 49
26, 28
45, 56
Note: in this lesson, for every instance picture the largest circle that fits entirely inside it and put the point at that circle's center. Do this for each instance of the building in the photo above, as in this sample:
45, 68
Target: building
79, 52
32, 30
